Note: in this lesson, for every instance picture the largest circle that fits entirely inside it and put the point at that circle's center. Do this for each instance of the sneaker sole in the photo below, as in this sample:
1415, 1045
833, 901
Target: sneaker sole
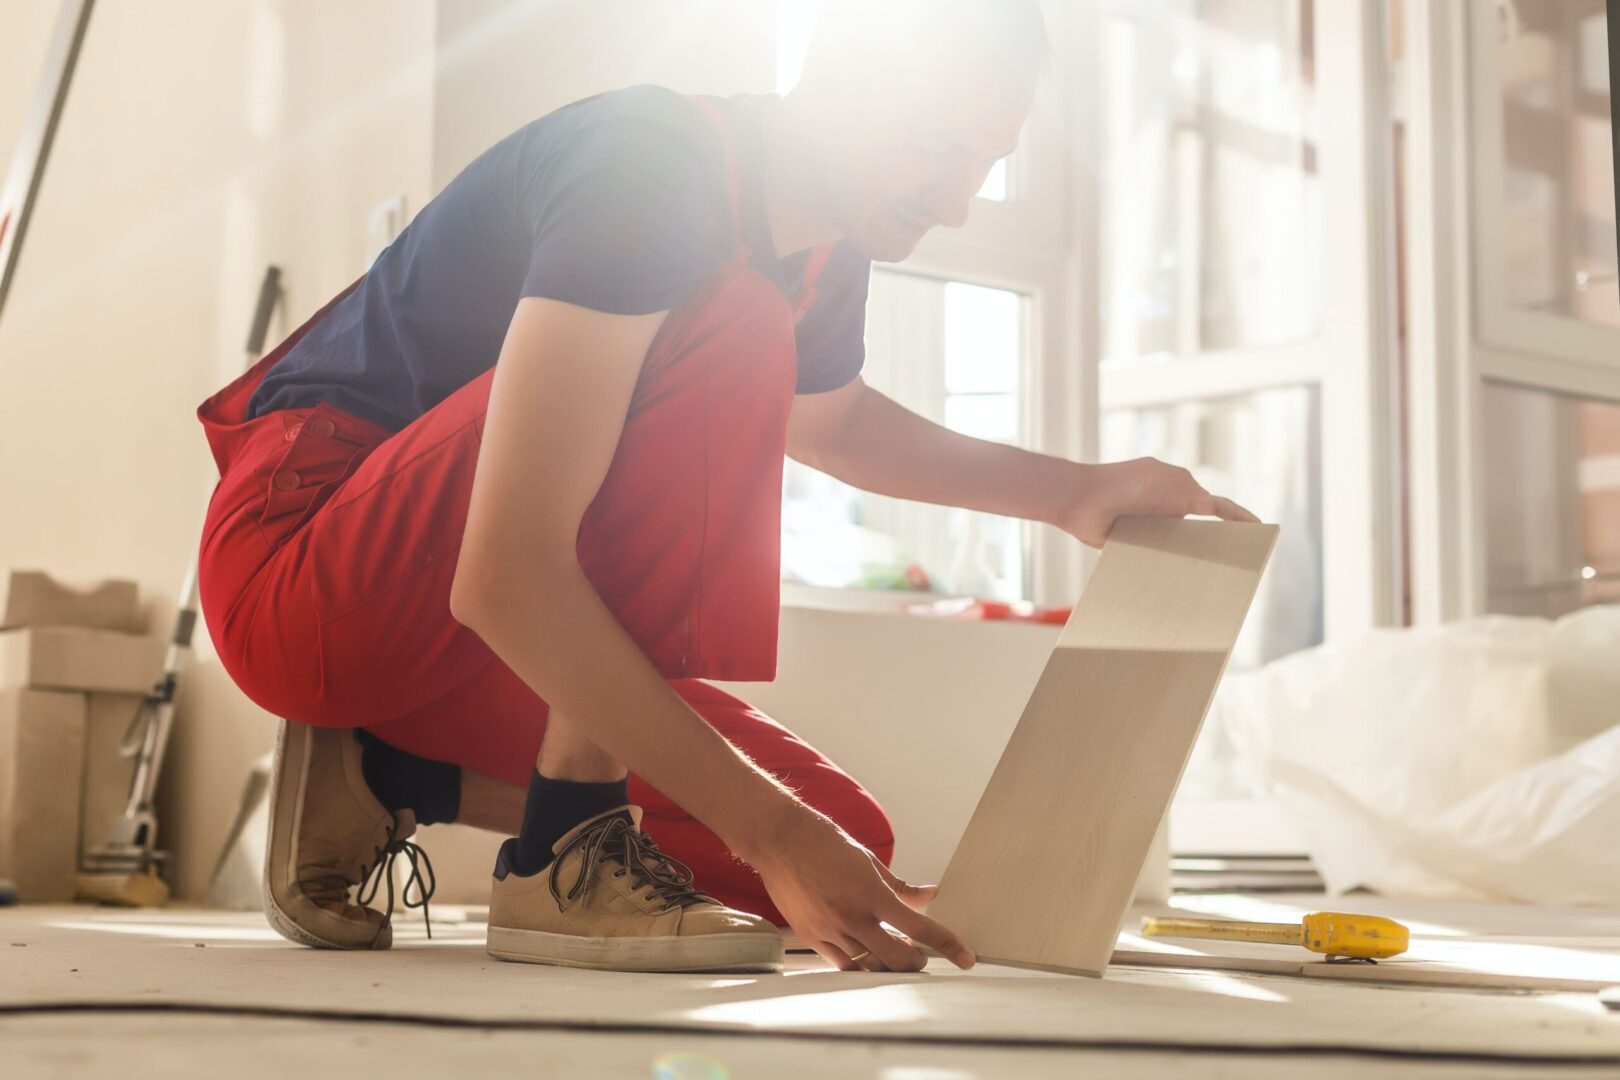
281, 922
707, 952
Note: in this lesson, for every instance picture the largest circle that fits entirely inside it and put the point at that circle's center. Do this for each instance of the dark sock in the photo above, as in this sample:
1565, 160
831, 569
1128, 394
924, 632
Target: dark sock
401, 781
551, 809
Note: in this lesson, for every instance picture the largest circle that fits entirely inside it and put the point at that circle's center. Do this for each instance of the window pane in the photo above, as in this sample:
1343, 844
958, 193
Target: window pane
995, 184
1210, 205
1552, 501
982, 339
795, 26
1557, 193
1264, 450
955, 353
984, 416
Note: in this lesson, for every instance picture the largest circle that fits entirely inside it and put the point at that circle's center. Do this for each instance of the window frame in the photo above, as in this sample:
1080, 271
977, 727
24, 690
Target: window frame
1461, 333
1517, 344
1351, 360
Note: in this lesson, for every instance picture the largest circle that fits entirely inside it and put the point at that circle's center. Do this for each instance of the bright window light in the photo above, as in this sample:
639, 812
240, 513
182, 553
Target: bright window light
795, 25
983, 416
982, 339
995, 184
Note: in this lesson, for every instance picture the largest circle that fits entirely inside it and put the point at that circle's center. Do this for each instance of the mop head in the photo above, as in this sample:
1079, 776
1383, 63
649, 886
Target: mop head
136, 887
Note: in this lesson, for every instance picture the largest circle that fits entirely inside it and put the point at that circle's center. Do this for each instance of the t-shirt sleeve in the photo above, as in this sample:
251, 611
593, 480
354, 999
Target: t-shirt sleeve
628, 218
832, 334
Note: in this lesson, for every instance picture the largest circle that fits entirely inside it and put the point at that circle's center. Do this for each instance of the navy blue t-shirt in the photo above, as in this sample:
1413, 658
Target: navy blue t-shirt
616, 203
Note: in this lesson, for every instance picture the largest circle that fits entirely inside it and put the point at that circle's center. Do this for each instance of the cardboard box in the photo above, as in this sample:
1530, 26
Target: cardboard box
107, 775
41, 781
67, 696
34, 598
77, 658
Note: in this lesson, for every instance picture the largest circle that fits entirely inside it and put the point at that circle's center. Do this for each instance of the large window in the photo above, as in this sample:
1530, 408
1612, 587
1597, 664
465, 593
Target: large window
1242, 331
1516, 373
1543, 225
1557, 177
1210, 245
1190, 257
1211, 225
1151, 275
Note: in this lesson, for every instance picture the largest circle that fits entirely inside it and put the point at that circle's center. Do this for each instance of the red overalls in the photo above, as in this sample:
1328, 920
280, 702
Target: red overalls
330, 544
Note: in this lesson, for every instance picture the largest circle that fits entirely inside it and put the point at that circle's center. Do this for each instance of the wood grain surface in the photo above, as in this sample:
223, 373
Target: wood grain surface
1044, 872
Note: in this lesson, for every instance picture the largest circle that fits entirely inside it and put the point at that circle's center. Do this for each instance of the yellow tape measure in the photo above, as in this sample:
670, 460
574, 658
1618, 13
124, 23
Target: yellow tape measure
1332, 933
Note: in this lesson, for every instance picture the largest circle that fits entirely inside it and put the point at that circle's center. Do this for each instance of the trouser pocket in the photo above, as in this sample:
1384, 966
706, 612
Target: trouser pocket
321, 453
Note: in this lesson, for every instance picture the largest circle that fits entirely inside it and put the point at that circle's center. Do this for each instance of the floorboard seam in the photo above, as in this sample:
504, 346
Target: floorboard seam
1314, 1050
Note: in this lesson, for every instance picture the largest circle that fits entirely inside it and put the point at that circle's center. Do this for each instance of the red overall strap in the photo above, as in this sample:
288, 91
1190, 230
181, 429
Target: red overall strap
807, 284
728, 149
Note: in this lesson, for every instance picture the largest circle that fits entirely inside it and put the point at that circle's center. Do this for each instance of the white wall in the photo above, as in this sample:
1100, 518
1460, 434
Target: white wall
503, 63
201, 141
28, 32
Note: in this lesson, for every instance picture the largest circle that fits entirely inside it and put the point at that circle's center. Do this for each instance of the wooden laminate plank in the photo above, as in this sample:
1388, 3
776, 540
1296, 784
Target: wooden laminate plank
1486, 972
1043, 874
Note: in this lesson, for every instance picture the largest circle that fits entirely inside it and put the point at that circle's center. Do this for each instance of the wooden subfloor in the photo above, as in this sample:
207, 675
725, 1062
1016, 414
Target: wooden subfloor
91, 992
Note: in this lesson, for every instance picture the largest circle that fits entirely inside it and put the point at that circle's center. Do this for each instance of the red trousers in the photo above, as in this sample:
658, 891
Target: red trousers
330, 545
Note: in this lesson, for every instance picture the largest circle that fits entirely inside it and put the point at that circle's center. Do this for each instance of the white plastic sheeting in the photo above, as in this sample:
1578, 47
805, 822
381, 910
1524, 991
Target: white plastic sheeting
1476, 760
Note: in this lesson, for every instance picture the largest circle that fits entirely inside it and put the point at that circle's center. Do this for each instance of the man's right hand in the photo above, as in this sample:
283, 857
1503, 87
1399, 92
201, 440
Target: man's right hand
835, 894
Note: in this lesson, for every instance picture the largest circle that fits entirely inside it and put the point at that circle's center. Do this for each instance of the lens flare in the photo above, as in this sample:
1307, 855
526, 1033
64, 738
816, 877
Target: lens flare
689, 1067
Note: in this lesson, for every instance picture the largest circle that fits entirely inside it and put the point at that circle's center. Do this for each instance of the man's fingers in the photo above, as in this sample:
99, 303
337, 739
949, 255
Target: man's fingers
889, 877
917, 896
890, 952
837, 957
1231, 511
1207, 505
844, 952
920, 927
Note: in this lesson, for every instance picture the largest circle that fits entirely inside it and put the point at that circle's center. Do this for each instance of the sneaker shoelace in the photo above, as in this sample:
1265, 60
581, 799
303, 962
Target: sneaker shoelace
669, 879
382, 869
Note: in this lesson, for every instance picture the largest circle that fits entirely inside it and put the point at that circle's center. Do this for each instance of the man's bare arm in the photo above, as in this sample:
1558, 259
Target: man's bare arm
557, 406
872, 442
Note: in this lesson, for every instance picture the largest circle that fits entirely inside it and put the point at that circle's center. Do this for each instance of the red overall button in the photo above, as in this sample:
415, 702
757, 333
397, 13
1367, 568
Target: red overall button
322, 428
286, 480
292, 432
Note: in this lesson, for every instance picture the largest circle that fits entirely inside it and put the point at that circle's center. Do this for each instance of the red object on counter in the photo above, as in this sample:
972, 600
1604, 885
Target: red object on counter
972, 607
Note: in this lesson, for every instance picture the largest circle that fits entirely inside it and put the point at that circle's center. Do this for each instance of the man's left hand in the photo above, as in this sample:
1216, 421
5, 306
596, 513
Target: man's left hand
1144, 487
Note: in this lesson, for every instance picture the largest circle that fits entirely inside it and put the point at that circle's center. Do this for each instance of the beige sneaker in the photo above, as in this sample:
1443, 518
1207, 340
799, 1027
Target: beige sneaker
610, 899
328, 834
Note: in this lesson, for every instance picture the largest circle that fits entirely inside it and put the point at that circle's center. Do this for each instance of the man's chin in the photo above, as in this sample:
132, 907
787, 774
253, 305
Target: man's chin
887, 245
